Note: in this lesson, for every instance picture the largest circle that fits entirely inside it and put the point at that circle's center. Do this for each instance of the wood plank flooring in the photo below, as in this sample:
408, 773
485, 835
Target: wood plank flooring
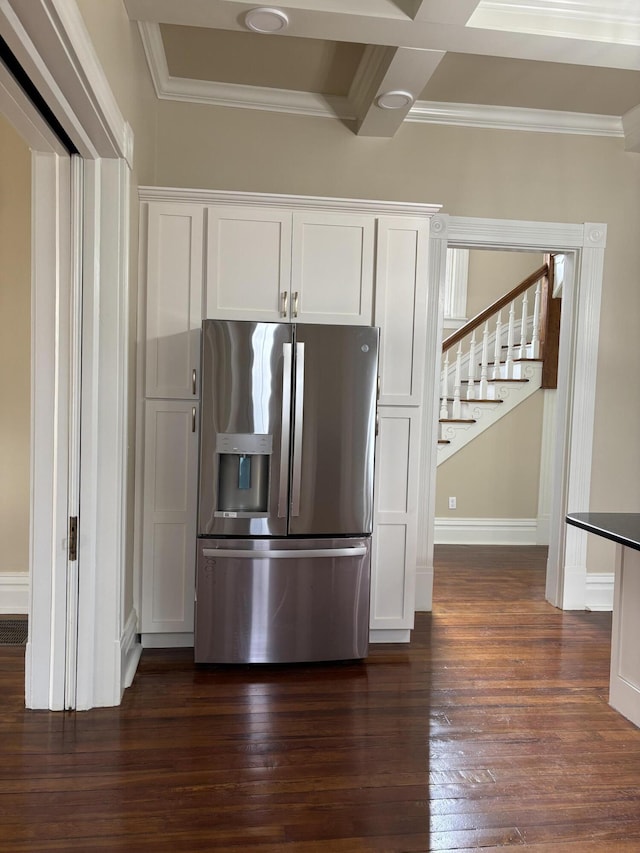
490, 730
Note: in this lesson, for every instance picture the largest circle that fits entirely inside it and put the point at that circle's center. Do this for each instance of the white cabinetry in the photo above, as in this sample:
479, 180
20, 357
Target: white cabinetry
169, 516
282, 265
275, 258
400, 311
174, 261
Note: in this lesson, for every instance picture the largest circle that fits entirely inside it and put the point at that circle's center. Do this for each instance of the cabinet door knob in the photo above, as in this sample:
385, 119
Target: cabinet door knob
194, 381
284, 297
294, 313
193, 419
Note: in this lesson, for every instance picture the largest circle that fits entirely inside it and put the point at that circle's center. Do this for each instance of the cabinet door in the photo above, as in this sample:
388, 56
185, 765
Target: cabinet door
169, 516
248, 264
174, 299
395, 532
332, 268
401, 308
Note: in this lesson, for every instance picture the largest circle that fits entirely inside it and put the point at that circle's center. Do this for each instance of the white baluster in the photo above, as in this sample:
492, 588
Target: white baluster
497, 350
535, 338
510, 335
471, 387
456, 383
522, 352
484, 388
444, 390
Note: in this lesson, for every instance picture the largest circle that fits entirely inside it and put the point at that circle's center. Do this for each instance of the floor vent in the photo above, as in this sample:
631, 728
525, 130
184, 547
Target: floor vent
13, 632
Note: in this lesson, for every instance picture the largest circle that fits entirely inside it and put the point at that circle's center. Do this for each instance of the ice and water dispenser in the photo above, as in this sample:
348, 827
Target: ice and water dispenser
243, 474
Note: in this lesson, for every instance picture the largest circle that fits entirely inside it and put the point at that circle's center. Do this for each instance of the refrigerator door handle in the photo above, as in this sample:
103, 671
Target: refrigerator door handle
286, 430
289, 554
296, 480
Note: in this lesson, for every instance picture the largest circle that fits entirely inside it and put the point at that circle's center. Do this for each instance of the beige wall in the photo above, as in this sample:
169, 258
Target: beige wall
492, 274
15, 349
497, 474
472, 172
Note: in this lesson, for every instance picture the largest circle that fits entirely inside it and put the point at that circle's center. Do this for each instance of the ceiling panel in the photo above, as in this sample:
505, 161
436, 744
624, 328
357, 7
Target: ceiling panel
469, 79
275, 61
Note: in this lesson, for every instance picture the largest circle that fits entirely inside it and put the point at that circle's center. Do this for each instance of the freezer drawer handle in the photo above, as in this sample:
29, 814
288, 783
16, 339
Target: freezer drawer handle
289, 554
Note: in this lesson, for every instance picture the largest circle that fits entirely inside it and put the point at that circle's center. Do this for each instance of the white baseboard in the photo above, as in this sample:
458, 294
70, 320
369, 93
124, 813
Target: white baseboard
130, 650
424, 589
167, 640
600, 591
390, 635
14, 592
486, 531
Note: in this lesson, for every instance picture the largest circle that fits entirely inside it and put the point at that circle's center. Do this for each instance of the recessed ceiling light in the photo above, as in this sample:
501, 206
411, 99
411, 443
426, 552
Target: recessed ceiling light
265, 19
396, 99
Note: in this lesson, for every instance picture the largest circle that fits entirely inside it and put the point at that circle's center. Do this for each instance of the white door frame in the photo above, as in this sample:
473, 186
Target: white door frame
49, 39
584, 247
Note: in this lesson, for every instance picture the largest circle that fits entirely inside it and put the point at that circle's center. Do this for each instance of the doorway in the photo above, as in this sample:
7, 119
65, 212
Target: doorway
583, 246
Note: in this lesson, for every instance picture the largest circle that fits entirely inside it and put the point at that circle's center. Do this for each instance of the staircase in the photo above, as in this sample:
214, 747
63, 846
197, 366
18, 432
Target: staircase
497, 360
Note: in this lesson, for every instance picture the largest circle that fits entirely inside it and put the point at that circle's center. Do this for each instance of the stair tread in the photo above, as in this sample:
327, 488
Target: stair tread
443, 441
477, 381
514, 360
474, 400
457, 420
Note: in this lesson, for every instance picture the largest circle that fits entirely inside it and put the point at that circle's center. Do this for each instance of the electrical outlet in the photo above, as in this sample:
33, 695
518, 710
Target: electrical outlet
452, 503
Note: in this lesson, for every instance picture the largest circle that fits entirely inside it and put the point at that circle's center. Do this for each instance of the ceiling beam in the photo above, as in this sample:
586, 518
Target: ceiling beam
385, 69
394, 30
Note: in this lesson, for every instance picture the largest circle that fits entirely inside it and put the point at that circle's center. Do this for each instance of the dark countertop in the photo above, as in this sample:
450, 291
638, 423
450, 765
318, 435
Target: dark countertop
621, 527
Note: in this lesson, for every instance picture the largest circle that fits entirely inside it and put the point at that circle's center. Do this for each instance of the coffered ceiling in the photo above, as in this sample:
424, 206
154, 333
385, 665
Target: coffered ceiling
570, 66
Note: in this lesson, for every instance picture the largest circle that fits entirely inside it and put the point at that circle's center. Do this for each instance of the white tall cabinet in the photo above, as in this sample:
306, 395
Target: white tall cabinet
273, 258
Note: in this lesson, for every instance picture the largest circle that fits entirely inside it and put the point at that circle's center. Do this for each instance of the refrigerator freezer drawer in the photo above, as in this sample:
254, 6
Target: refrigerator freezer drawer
282, 601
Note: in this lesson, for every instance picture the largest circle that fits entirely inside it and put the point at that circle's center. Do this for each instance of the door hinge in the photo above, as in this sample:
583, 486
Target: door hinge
73, 538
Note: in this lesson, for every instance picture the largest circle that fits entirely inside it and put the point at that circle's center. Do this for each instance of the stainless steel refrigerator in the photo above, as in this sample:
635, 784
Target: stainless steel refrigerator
286, 492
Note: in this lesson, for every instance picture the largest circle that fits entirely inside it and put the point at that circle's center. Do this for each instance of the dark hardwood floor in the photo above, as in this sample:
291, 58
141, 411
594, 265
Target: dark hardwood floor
491, 729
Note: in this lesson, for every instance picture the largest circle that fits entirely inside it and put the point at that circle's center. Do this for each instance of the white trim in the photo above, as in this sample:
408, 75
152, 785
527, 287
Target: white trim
610, 22
66, 71
390, 635
176, 195
50, 276
167, 640
546, 478
104, 439
516, 118
486, 531
438, 233
130, 649
600, 591
584, 247
14, 592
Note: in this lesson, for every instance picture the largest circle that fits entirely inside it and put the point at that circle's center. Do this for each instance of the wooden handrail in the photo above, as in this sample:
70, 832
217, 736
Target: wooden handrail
498, 305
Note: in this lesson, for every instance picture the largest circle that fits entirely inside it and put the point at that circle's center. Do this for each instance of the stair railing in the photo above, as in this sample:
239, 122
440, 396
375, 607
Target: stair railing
525, 337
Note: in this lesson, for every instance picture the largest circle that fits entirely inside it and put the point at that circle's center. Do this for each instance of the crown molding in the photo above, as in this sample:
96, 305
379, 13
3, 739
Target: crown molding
516, 118
311, 104
593, 20
299, 202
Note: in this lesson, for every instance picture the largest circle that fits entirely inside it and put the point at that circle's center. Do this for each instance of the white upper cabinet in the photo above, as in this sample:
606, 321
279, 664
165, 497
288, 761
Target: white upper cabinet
332, 268
173, 300
278, 265
248, 263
